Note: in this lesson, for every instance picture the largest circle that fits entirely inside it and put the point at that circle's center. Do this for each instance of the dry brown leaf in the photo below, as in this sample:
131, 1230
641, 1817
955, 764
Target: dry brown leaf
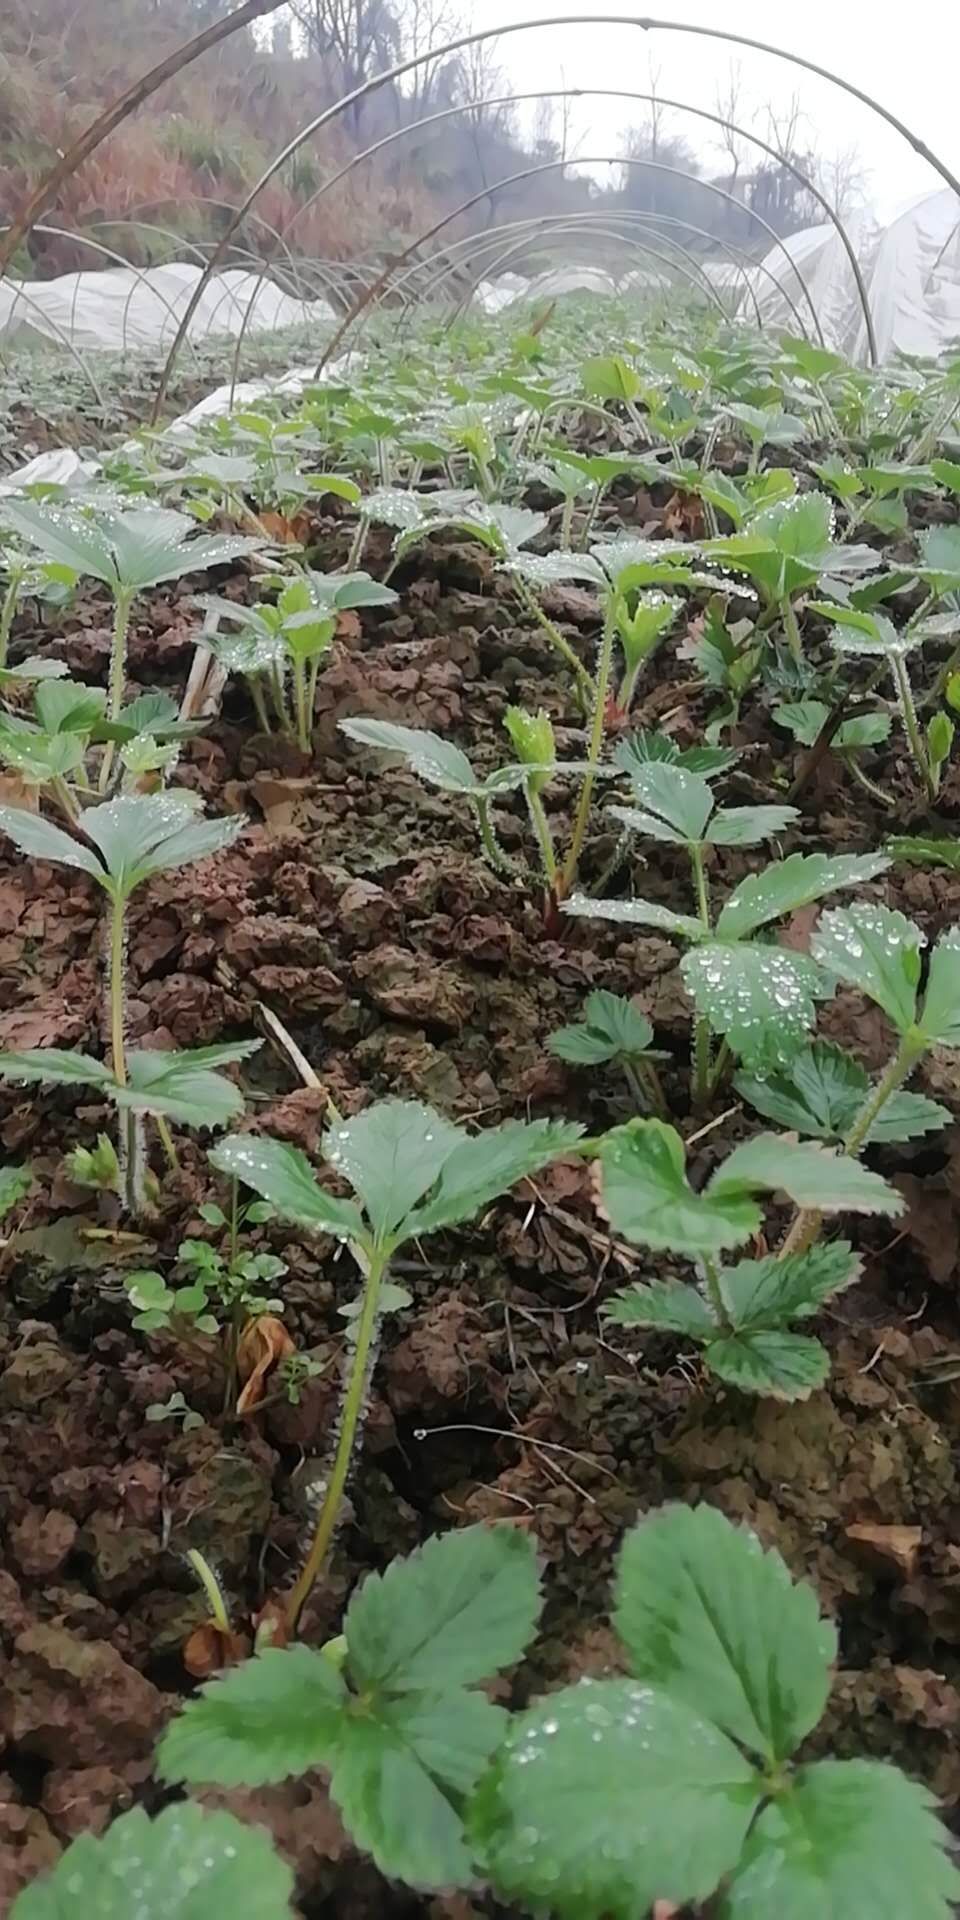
264, 1342
889, 1548
210, 1648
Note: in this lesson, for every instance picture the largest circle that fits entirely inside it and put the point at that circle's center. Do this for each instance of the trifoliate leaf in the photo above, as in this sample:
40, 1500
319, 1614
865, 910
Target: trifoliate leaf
451, 1614
940, 556
637, 913
135, 548
805, 719
875, 949
647, 1196
284, 1176
42, 757
392, 1154
609, 1796
552, 569
788, 884
940, 1019
821, 1091
640, 747
715, 1621
851, 1838
745, 826
760, 998
812, 1176
485, 1165
42, 841
612, 1029
188, 1861
665, 1305
771, 1292
276, 1715
776, 1365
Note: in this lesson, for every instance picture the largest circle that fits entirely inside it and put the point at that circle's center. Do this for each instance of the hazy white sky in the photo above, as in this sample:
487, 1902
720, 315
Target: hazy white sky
907, 57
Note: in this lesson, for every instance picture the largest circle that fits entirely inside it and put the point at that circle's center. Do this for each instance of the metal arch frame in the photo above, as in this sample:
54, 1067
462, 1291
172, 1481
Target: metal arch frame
613, 93
583, 226
528, 173
639, 220
643, 23
617, 93
625, 215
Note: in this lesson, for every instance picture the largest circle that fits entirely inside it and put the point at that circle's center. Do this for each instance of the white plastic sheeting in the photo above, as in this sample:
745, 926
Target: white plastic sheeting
120, 307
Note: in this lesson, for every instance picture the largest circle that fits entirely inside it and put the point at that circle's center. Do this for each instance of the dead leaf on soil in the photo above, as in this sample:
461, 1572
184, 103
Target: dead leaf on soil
264, 1342
211, 1647
888, 1548
285, 804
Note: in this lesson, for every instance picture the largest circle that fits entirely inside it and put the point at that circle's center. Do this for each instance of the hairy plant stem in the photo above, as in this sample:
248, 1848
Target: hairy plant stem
166, 1142
790, 628
200, 1565
587, 528
541, 827
349, 1422
715, 1293
808, 1220
600, 692
8, 609
528, 600
702, 1064
300, 706
64, 798
259, 704
123, 602
357, 544
863, 780
912, 725
129, 1128
643, 1081
566, 522
491, 845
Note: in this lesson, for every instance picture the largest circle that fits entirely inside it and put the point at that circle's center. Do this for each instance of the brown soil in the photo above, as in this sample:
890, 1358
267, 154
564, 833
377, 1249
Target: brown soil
358, 908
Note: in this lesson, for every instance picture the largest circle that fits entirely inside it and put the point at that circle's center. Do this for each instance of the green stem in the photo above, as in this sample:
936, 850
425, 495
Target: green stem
491, 845
541, 827
566, 522
166, 1141
863, 780
588, 525
357, 544
123, 602
211, 1587
528, 600
715, 1293
259, 704
702, 1066
946, 671
117, 938
790, 628
64, 798
8, 609
600, 692
912, 725
350, 1416
808, 1221
300, 706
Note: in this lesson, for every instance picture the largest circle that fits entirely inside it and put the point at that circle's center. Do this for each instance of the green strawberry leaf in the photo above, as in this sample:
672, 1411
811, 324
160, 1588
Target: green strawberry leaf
666, 1305
186, 1862
39, 839
853, 1838
608, 1796
176, 1085
55, 1067
785, 885
822, 1089
940, 1018
774, 1364
769, 1293
15, 1184
450, 1614
392, 1154
613, 1029
682, 799
919, 852
636, 913
647, 1196
762, 999
875, 949
717, 1622
484, 1165
812, 1176
276, 1715
745, 826
284, 1176
395, 1767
